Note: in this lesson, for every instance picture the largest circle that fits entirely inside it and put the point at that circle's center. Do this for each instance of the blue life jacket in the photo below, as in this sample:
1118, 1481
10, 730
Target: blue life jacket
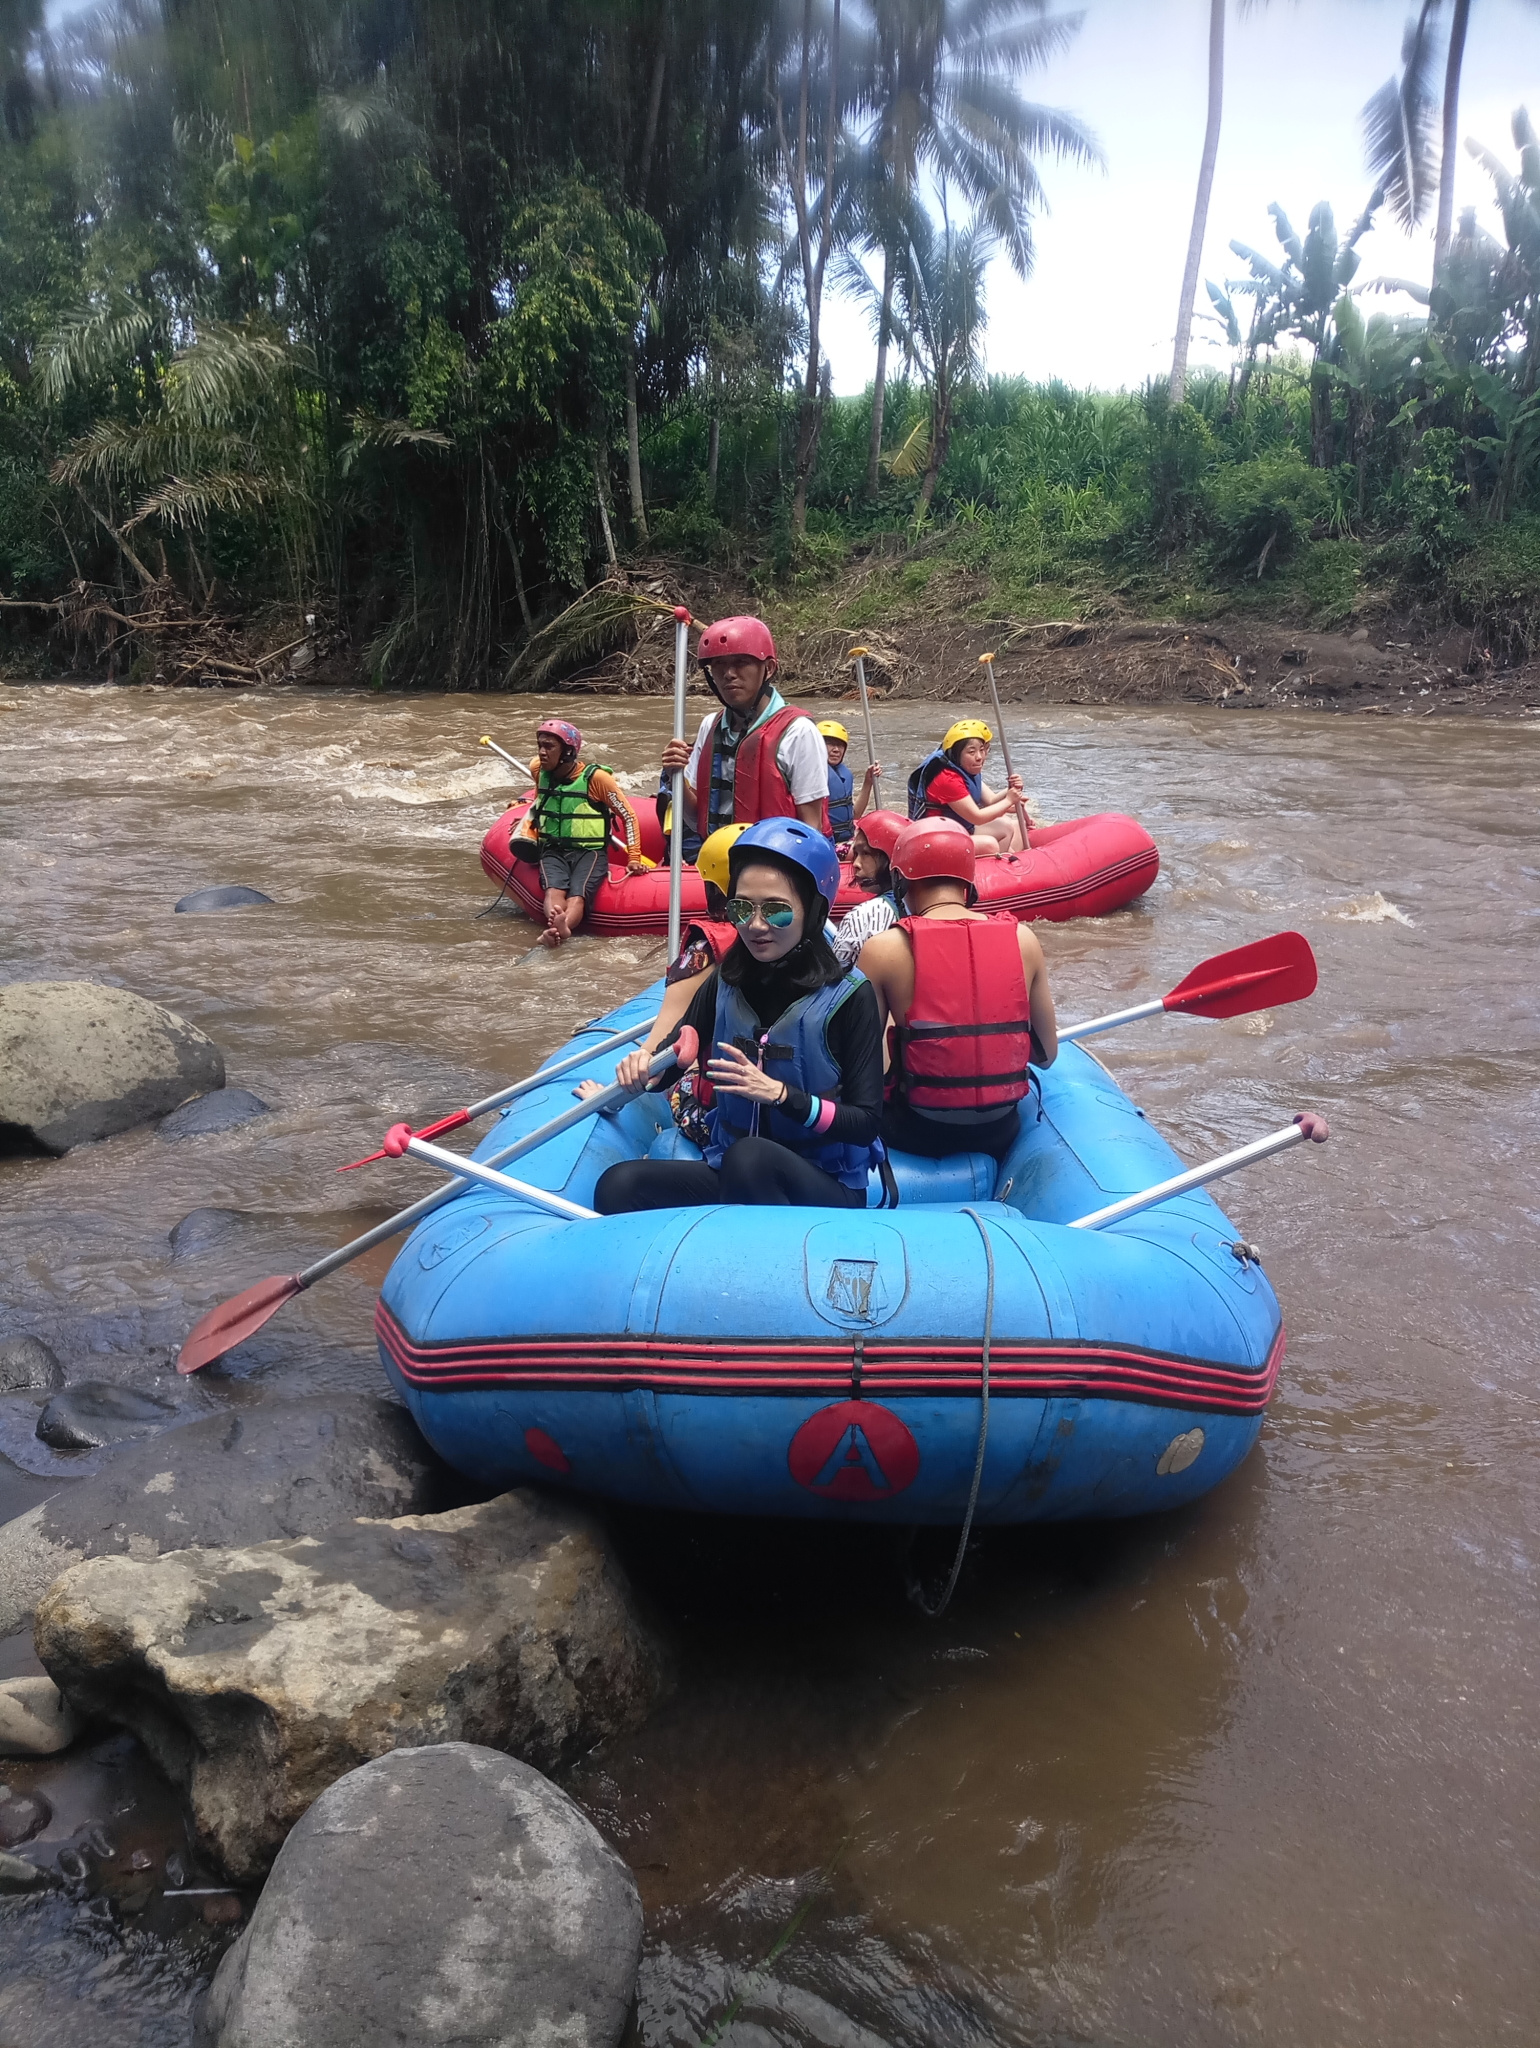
842, 807
920, 805
794, 1050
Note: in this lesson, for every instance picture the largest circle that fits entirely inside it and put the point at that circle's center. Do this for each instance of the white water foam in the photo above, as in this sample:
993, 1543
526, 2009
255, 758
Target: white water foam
1374, 909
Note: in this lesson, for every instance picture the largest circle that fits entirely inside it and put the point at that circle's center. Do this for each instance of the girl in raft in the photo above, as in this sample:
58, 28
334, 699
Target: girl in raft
870, 851
844, 806
567, 828
950, 784
796, 1074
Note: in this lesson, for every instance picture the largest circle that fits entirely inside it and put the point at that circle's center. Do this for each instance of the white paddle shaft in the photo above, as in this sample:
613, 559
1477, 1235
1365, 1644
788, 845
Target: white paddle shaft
676, 823
505, 1184
871, 744
513, 762
1195, 1177
1113, 1018
1005, 747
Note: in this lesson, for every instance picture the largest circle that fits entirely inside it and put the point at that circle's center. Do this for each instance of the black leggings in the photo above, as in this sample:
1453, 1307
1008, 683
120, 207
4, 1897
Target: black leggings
755, 1170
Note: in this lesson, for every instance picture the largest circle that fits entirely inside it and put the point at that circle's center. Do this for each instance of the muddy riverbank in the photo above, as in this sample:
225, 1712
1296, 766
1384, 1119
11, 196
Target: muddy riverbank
1257, 1771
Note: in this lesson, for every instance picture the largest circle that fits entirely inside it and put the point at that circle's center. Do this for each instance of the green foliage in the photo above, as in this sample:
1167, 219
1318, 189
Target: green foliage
1258, 512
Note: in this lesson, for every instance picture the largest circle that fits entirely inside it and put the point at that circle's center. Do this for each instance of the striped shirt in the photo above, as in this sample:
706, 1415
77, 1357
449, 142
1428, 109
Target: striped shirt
863, 923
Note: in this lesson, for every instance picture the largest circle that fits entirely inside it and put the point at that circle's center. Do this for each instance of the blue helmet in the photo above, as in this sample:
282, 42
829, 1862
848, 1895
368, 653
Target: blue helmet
798, 845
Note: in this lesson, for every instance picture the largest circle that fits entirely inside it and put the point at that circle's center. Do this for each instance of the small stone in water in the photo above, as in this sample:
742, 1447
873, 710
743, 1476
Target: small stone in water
23, 1815
72, 1865
222, 1912
18, 1875
84, 1417
100, 1844
176, 1871
141, 1860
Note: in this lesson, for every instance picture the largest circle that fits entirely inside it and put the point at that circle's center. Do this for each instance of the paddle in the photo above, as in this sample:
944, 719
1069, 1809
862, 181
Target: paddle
399, 1142
858, 656
554, 1072
513, 762
988, 663
233, 1321
1307, 1125
1261, 976
682, 624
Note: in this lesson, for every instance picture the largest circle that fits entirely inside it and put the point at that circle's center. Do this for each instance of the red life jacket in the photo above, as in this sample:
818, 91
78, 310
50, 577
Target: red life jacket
760, 790
967, 1039
717, 936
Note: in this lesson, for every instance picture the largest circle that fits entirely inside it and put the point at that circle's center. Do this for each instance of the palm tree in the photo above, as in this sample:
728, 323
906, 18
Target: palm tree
945, 99
1399, 123
936, 310
1216, 95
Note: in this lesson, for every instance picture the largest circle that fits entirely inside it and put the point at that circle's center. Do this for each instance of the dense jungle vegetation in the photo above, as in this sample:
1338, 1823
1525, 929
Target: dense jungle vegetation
418, 317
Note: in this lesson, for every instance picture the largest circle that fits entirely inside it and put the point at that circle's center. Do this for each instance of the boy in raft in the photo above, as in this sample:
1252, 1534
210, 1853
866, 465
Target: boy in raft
950, 784
758, 757
791, 1046
870, 852
969, 999
844, 807
569, 826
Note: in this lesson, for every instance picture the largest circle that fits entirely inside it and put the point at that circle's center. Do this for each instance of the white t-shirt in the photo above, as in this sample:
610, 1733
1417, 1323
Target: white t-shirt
858, 925
801, 756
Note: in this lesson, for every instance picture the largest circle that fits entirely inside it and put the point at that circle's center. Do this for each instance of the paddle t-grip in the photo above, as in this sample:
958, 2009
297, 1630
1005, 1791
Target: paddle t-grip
1314, 1126
397, 1138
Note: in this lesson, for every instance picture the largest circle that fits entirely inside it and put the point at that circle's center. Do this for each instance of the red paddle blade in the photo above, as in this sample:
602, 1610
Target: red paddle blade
1255, 977
235, 1320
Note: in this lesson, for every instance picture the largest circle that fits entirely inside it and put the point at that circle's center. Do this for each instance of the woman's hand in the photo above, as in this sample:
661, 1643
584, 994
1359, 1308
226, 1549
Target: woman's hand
733, 1073
633, 1072
586, 1088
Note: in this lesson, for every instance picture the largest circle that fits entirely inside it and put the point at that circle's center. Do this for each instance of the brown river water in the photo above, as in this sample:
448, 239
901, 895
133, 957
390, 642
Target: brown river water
1262, 1770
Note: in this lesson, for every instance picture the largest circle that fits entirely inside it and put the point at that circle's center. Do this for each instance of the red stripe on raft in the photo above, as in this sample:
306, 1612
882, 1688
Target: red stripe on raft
663, 1365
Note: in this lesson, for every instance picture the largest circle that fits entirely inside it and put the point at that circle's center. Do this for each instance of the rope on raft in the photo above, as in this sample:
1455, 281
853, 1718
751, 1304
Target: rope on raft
914, 1588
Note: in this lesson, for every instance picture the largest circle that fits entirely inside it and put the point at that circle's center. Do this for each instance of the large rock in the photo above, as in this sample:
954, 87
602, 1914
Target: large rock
289, 1468
439, 1896
96, 1412
80, 1061
257, 1677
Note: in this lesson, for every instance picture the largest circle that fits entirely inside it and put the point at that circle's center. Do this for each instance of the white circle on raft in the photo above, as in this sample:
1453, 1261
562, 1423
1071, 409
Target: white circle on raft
1180, 1452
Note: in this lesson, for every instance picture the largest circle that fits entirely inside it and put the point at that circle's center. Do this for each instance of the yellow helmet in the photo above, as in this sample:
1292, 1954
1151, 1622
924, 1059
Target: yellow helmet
966, 729
833, 730
711, 861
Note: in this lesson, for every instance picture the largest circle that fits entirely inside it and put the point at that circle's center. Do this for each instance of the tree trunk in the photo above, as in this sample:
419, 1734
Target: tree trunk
880, 381
604, 511
1452, 65
810, 418
713, 457
1216, 91
940, 441
634, 450
1322, 426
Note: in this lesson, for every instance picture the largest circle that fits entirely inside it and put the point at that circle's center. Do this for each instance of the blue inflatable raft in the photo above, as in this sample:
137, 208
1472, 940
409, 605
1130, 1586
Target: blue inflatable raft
832, 1363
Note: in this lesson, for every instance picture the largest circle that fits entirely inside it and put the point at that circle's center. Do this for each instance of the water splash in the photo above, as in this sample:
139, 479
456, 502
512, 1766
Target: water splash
1372, 909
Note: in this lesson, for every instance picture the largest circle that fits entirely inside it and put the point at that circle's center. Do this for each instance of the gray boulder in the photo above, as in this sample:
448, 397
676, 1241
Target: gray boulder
223, 896
28, 1366
289, 1468
225, 1110
257, 1677
95, 1412
437, 1896
81, 1061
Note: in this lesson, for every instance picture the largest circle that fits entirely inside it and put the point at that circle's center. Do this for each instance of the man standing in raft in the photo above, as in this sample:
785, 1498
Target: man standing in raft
569, 827
758, 757
970, 999
950, 784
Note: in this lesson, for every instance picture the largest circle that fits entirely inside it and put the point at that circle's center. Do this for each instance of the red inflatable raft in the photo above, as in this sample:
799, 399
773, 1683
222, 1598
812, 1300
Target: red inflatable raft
1082, 868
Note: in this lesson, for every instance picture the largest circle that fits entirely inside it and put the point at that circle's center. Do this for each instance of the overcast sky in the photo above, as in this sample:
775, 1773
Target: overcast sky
1100, 306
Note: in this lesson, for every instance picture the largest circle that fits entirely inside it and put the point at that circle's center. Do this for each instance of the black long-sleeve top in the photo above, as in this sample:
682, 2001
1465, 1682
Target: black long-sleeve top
854, 1037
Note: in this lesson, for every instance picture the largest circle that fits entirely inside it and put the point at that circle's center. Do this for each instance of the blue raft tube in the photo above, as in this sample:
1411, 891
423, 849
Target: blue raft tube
842, 1364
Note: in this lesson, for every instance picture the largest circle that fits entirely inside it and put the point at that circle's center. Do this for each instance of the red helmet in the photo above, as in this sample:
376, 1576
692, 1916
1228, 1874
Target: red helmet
559, 728
933, 848
736, 636
882, 830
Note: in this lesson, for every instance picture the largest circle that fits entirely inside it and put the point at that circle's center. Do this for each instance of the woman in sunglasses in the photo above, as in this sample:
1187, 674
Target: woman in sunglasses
796, 1072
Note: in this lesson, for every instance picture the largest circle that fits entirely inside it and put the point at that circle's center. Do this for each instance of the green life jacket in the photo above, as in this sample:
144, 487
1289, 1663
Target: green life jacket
564, 812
